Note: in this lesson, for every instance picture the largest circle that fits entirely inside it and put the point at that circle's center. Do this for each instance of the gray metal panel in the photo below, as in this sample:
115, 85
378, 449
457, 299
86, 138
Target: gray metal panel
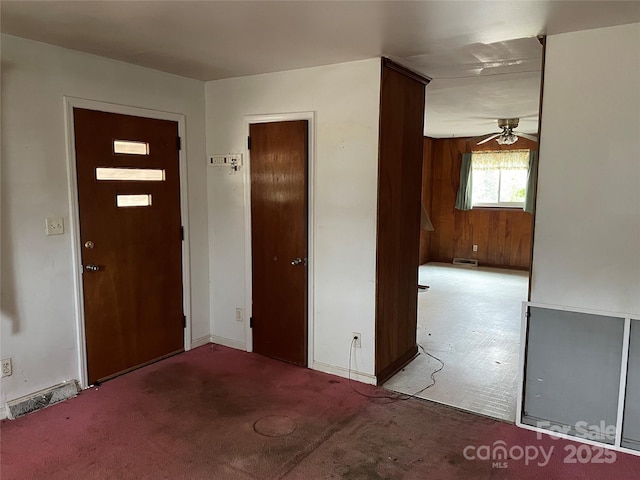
572, 369
631, 424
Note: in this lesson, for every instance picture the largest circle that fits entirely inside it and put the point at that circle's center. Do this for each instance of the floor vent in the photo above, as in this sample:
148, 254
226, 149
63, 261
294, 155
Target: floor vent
465, 261
42, 399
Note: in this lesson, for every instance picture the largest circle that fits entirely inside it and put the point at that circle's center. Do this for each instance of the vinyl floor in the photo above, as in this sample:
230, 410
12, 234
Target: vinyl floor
469, 318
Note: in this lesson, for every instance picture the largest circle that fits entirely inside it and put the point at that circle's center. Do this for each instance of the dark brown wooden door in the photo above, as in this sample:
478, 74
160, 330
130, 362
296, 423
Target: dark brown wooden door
279, 239
130, 234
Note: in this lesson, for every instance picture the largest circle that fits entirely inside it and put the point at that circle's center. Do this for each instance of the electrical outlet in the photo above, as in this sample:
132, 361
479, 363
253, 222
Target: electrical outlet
54, 226
356, 340
475, 248
239, 315
7, 367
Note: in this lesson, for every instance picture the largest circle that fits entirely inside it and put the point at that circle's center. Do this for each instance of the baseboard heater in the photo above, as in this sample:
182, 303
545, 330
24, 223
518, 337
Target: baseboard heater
42, 399
465, 261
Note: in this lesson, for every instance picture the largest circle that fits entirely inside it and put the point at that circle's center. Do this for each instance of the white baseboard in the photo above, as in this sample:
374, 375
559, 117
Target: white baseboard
198, 342
227, 342
3, 412
344, 372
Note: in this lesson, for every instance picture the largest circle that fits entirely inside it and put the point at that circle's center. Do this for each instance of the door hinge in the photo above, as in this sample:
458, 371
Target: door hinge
179, 144
250, 322
184, 321
248, 143
182, 233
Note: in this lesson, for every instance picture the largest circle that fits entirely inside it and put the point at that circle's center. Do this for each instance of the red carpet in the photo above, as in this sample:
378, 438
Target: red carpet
218, 413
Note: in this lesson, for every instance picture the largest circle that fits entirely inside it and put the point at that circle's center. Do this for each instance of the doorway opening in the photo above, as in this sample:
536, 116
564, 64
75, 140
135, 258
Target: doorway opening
469, 317
476, 244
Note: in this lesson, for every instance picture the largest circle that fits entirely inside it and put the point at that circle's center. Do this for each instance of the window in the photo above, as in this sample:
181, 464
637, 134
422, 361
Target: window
130, 174
499, 179
130, 148
133, 200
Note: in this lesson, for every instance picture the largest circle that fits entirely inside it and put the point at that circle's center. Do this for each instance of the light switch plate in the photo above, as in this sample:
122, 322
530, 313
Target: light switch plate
225, 160
54, 226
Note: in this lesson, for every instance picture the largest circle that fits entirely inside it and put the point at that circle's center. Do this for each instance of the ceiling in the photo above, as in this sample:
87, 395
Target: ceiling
483, 56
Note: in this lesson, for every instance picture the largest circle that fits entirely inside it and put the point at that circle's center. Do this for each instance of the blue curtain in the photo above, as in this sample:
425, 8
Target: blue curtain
463, 198
530, 200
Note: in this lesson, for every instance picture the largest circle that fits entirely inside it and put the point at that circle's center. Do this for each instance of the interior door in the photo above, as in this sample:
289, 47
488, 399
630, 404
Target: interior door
130, 234
279, 239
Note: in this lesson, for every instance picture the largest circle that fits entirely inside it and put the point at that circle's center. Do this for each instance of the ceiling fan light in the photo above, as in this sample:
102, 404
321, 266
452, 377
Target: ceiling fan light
508, 139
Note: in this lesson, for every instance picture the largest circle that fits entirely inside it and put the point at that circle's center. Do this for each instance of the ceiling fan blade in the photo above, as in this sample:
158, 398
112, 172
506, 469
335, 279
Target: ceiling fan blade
489, 138
533, 138
482, 137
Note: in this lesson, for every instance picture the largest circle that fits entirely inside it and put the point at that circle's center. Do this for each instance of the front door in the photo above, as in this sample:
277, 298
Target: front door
130, 235
279, 239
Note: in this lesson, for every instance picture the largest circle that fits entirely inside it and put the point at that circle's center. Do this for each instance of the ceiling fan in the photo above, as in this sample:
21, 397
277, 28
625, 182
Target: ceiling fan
507, 136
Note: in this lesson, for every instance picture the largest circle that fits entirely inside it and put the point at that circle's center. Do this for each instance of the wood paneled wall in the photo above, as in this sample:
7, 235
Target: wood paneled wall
427, 173
399, 189
503, 236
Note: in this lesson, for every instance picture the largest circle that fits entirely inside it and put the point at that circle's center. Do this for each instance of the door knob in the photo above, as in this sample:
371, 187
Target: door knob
92, 268
296, 261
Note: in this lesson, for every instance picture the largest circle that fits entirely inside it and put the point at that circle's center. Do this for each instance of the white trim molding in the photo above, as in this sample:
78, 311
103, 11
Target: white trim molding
69, 104
311, 224
345, 373
228, 342
225, 342
199, 342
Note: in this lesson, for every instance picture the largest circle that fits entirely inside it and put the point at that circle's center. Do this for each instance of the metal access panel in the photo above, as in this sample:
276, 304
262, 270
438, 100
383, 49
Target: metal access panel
572, 372
631, 424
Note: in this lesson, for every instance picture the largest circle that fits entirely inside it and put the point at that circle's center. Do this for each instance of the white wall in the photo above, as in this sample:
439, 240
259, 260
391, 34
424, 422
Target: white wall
38, 318
345, 98
587, 231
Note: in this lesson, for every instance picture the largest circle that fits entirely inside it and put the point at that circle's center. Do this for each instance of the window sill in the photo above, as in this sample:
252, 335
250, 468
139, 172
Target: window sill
497, 207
